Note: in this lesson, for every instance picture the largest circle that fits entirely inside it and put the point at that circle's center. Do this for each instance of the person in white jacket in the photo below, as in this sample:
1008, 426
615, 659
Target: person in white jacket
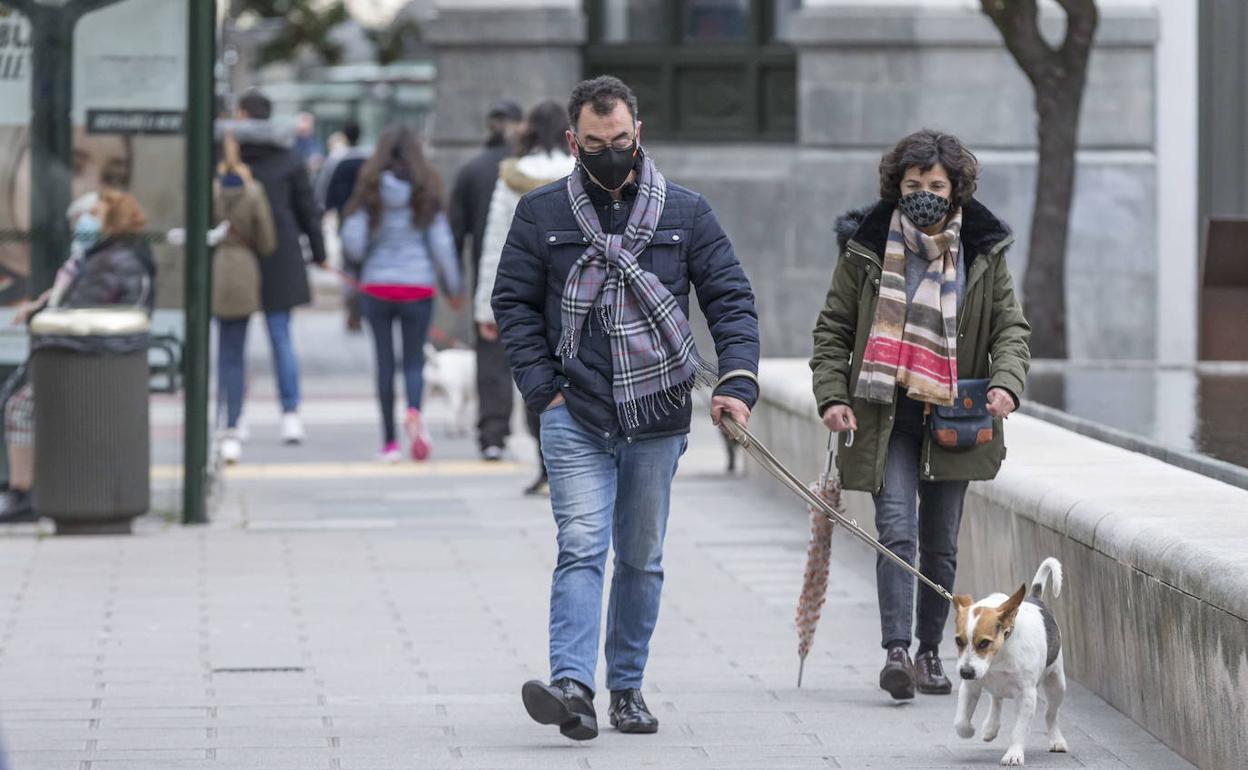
542, 158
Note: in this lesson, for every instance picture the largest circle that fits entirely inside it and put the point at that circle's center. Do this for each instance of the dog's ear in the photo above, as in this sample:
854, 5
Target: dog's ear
962, 601
1009, 608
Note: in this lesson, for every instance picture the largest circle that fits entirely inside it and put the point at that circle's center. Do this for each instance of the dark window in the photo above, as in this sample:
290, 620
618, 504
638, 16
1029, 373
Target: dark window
703, 70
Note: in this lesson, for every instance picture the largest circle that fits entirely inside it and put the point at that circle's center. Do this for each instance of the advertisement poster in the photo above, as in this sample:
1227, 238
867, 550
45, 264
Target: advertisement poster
129, 98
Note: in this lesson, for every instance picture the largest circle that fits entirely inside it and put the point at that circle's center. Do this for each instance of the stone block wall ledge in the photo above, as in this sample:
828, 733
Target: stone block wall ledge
1154, 611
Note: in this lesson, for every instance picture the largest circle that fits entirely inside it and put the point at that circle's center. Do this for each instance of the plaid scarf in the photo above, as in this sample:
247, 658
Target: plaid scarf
914, 344
654, 360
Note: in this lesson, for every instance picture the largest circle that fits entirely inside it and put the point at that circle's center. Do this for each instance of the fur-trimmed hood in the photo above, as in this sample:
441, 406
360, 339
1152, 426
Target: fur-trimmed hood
981, 229
535, 170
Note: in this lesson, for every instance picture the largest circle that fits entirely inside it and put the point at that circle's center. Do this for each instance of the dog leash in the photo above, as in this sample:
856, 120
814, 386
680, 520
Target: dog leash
763, 456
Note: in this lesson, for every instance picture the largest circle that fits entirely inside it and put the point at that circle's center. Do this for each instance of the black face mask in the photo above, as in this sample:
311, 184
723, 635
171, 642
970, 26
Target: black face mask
608, 168
924, 208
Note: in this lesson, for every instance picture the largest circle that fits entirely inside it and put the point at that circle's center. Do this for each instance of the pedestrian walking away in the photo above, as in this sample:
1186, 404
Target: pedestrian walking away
241, 201
268, 152
470, 203
112, 267
921, 316
615, 246
398, 235
542, 158
334, 186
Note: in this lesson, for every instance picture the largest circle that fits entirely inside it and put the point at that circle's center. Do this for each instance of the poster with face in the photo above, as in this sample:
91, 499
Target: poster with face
129, 64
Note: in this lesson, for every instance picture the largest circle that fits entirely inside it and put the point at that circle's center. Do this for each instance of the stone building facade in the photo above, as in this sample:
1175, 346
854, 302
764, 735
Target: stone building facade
866, 74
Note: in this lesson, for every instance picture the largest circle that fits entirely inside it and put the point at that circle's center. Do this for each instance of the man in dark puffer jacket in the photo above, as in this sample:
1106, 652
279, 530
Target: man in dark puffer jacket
608, 474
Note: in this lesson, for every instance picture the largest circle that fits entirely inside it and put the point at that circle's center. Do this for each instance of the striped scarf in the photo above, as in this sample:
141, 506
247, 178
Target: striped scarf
914, 344
655, 364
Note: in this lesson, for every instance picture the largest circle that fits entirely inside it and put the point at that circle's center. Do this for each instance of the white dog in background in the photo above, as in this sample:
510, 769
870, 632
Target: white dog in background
1009, 646
452, 373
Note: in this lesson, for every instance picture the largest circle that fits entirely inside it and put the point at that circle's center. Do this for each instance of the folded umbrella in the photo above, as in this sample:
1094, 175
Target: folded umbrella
832, 513
818, 559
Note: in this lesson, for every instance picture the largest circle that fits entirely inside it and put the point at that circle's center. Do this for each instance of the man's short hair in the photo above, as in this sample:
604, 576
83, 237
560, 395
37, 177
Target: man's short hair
601, 94
256, 104
352, 133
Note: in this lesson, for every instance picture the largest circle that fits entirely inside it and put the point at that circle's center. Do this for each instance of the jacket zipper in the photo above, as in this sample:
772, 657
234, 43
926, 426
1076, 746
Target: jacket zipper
991, 253
855, 249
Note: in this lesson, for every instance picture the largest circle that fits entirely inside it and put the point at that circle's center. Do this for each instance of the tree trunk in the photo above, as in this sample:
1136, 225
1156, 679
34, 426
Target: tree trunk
1044, 285
1058, 76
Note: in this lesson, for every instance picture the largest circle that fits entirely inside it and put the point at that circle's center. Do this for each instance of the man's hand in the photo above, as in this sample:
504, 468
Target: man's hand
1000, 402
488, 332
733, 407
456, 302
840, 418
554, 402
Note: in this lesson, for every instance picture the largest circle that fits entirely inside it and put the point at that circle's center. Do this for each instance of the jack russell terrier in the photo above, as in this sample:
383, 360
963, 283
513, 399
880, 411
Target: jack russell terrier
1009, 646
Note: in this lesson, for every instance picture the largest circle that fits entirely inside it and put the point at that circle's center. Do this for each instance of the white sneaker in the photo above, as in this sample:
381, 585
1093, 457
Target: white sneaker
390, 453
292, 429
492, 454
231, 448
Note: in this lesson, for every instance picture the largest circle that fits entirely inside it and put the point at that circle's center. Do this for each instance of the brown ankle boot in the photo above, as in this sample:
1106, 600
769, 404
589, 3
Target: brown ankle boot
930, 676
897, 676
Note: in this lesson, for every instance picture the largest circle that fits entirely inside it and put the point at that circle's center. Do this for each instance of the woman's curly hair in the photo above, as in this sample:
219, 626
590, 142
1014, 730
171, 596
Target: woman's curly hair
122, 214
925, 149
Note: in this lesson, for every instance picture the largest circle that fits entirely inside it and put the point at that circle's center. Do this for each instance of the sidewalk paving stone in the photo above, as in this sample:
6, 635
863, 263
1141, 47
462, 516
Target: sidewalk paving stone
404, 607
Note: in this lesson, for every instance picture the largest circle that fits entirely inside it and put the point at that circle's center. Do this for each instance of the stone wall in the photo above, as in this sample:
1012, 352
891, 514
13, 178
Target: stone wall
1154, 611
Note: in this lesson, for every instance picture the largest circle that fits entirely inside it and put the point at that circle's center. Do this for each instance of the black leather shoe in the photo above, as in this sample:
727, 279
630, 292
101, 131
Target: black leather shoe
539, 488
929, 674
564, 702
16, 508
629, 713
897, 676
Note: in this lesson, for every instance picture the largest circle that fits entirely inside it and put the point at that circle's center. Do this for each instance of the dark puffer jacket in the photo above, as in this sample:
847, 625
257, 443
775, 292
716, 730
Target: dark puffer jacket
114, 272
284, 275
689, 251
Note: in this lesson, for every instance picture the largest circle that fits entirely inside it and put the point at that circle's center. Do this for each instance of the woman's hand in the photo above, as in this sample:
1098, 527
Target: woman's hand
488, 332
1000, 402
27, 309
456, 302
840, 418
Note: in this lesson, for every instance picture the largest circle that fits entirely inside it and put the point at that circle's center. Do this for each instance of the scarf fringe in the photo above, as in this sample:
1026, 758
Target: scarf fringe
653, 407
569, 343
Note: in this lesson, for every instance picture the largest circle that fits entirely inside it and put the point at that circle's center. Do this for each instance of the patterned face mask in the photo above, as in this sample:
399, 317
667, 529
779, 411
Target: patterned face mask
924, 208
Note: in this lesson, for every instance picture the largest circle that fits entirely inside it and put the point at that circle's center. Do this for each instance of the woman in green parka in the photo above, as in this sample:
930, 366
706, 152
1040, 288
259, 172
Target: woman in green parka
921, 314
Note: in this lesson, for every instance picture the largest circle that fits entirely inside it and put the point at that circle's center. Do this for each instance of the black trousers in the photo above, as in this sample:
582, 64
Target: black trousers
495, 394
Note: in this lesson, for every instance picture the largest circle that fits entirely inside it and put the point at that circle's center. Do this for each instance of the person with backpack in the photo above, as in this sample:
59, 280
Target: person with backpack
397, 230
241, 201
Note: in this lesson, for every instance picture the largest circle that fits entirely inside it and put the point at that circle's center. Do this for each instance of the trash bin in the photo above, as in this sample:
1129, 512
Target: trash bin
92, 444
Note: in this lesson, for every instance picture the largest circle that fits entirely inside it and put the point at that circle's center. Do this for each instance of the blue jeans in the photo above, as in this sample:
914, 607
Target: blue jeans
931, 528
414, 319
232, 366
284, 362
606, 491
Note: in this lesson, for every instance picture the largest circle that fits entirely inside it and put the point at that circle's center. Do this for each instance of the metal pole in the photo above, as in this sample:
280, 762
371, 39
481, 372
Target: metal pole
51, 144
199, 117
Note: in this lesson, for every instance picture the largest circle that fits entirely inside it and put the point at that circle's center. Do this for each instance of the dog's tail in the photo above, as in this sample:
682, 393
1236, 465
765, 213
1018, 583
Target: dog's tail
1048, 567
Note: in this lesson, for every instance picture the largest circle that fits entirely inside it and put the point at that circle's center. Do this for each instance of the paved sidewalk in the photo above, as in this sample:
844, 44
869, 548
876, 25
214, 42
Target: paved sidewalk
344, 614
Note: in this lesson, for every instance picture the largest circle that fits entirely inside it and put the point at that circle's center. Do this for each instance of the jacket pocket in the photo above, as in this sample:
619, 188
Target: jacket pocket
665, 258
564, 248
